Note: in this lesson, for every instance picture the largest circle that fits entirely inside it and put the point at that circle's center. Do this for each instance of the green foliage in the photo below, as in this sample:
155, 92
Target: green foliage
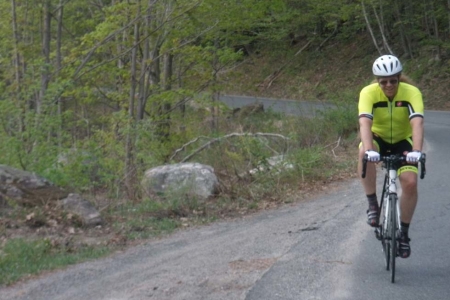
342, 119
87, 104
19, 258
310, 162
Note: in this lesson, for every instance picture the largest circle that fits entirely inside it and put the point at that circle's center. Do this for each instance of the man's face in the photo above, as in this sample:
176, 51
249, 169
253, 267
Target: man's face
389, 85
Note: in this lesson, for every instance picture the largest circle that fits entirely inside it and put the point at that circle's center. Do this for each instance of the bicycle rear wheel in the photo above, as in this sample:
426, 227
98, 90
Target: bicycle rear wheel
393, 233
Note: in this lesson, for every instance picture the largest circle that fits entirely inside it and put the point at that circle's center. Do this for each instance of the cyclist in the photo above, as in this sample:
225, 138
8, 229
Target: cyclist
391, 122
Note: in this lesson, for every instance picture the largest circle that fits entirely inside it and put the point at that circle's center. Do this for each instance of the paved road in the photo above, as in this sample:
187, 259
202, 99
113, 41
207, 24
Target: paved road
317, 249
357, 266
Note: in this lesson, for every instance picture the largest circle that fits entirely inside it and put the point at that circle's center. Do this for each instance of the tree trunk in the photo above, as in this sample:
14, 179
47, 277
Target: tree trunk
129, 146
46, 38
167, 86
16, 46
154, 72
403, 39
437, 54
17, 68
144, 82
369, 27
59, 64
448, 9
381, 26
409, 14
120, 41
216, 94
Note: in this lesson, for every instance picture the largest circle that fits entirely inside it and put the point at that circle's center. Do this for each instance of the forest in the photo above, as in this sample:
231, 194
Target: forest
115, 80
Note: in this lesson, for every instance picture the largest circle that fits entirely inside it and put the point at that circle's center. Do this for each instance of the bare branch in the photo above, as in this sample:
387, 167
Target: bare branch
337, 146
381, 26
369, 27
335, 31
272, 77
186, 145
215, 140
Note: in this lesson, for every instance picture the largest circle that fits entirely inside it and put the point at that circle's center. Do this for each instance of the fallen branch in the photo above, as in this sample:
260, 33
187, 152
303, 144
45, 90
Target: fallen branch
216, 140
185, 146
338, 142
337, 146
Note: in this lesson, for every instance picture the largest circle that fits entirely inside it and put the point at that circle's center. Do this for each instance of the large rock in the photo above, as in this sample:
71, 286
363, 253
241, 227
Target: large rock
3, 203
26, 188
76, 205
192, 179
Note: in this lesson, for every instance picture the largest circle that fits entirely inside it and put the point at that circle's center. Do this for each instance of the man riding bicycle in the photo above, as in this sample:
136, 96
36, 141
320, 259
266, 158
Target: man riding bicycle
391, 122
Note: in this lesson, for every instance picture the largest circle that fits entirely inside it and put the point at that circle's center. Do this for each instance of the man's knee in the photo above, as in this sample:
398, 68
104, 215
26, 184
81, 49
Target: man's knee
409, 182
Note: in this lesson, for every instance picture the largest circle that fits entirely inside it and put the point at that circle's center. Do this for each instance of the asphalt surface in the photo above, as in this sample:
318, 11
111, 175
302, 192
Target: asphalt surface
317, 249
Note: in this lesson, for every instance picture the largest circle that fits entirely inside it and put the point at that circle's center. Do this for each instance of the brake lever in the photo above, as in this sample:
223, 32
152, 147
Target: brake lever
364, 167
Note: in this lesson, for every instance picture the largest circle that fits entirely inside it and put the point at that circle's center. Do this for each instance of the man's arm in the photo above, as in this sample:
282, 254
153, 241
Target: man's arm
417, 133
365, 129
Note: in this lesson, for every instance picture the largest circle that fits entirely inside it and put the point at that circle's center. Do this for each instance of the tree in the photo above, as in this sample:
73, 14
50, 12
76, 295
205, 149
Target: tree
114, 76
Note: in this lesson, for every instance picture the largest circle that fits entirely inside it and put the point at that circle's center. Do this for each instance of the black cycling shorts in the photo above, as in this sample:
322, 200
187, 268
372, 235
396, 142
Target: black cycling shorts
385, 148
400, 148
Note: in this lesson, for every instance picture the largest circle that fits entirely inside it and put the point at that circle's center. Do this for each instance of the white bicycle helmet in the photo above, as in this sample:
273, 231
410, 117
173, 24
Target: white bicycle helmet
386, 65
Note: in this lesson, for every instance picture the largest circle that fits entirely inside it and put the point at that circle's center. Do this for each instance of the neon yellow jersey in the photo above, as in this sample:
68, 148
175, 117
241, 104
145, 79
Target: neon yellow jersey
391, 119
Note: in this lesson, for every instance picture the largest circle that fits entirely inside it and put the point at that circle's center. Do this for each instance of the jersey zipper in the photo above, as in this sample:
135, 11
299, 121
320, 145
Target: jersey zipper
390, 107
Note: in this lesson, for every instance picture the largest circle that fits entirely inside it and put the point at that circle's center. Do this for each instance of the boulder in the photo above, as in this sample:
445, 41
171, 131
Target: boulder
3, 203
191, 179
26, 188
82, 208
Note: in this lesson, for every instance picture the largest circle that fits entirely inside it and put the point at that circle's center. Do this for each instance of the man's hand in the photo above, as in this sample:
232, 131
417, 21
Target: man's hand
414, 156
372, 156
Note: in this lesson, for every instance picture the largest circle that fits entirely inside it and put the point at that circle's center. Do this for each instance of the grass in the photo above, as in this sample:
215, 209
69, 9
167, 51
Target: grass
20, 258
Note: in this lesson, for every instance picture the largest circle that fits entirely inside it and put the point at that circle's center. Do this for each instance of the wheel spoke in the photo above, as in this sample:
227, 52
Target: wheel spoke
393, 220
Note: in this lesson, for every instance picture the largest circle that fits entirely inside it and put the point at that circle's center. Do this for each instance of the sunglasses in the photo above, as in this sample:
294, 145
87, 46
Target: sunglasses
391, 81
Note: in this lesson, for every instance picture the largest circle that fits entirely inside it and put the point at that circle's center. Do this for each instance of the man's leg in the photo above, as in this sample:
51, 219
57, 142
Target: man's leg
369, 185
408, 202
409, 197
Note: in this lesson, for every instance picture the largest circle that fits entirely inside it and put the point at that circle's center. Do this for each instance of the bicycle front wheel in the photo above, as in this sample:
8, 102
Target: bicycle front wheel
385, 233
393, 233
387, 253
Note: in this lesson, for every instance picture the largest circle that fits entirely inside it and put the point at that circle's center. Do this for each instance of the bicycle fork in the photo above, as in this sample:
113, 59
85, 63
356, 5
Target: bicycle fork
393, 191
390, 189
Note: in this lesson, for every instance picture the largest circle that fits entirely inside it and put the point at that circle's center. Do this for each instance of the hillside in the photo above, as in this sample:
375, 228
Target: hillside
335, 73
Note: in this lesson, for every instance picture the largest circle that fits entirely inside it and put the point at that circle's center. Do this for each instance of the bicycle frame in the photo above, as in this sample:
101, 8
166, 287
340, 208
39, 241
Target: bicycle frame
390, 186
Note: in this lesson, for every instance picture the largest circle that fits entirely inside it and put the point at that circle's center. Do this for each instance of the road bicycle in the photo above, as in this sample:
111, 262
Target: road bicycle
388, 229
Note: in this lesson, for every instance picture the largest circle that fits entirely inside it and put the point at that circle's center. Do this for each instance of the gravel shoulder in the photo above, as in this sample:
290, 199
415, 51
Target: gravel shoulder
225, 260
